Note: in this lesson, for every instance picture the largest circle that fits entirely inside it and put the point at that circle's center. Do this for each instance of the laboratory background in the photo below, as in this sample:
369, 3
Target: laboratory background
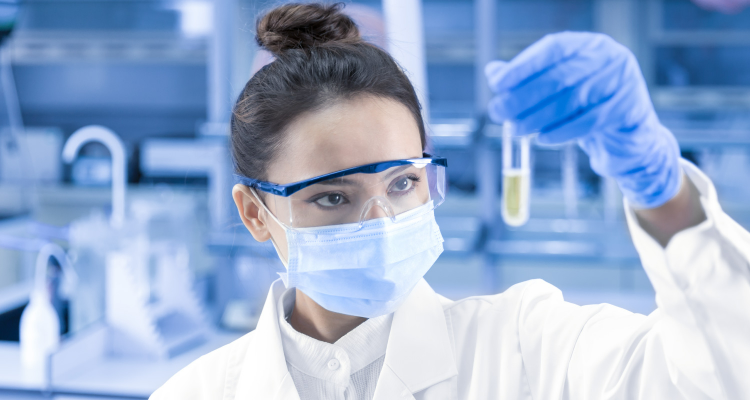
122, 258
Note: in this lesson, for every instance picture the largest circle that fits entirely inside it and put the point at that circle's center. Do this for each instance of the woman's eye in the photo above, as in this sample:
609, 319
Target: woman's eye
402, 184
330, 200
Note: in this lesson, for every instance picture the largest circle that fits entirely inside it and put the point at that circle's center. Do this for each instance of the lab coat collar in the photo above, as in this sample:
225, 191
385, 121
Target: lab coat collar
264, 373
419, 352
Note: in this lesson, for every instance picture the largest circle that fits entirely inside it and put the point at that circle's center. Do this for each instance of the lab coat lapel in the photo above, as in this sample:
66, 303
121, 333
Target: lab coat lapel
419, 352
264, 373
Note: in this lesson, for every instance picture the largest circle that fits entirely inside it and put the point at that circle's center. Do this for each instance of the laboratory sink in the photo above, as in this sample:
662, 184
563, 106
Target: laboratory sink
60, 213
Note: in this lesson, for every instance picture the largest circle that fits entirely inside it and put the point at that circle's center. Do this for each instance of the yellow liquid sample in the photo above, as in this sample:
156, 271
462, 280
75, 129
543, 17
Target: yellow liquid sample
516, 185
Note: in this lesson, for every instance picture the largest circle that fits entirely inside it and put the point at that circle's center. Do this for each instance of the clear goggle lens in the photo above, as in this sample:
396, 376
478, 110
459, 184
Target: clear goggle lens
351, 200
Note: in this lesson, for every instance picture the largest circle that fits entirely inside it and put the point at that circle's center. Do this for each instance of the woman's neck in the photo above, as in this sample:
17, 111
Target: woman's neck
315, 321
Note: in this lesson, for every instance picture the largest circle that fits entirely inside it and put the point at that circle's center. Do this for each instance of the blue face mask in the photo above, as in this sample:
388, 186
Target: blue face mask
368, 272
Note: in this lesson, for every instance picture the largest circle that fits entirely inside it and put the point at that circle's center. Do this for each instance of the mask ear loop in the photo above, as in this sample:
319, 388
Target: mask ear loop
284, 227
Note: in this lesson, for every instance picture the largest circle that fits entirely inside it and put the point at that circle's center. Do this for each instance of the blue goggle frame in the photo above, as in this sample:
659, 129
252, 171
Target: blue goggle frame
374, 168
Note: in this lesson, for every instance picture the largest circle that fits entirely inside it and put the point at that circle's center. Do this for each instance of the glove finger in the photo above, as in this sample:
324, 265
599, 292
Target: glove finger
494, 68
496, 110
633, 104
624, 108
572, 113
565, 76
537, 58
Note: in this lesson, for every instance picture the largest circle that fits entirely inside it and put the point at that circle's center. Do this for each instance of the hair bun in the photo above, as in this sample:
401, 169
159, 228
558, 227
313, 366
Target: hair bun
300, 26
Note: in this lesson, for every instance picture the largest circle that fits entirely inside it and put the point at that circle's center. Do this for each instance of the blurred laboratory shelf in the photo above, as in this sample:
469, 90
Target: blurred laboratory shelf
40, 47
453, 132
105, 377
558, 237
233, 240
59, 204
702, 98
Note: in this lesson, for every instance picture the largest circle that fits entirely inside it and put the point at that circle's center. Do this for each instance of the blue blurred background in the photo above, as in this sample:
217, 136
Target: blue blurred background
162, 75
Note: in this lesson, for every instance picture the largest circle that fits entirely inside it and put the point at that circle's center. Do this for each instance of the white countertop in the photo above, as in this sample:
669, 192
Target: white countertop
108, 376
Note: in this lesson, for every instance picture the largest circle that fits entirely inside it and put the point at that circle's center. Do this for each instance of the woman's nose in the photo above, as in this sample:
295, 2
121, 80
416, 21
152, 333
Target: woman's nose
377, 207
376, 211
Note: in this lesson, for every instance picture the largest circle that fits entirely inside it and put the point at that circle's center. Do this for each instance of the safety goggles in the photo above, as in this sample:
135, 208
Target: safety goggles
350, 197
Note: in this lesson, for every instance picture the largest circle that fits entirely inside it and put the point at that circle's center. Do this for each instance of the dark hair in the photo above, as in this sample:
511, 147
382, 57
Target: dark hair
320, 59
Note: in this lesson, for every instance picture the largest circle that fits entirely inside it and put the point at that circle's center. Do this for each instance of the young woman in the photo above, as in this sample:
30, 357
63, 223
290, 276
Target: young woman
329, 147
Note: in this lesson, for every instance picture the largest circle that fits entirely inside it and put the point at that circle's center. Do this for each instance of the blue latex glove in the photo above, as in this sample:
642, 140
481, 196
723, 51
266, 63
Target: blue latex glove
586, 86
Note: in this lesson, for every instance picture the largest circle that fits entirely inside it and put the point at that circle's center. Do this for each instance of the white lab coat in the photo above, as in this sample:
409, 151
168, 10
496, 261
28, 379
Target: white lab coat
528, 343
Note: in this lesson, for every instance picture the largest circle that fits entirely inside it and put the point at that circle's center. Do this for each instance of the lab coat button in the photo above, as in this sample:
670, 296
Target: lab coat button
333, 364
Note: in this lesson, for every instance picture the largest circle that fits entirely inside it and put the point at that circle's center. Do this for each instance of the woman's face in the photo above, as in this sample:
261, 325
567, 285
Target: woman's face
362, 130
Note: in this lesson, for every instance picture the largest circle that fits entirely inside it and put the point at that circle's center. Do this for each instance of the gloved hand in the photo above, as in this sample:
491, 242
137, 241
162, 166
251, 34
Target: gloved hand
586, 86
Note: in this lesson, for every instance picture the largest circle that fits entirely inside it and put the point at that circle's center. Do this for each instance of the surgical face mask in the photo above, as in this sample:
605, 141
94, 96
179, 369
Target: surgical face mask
368, 271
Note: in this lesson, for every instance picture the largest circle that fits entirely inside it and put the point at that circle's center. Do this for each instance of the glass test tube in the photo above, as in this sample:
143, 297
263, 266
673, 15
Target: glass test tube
516, 176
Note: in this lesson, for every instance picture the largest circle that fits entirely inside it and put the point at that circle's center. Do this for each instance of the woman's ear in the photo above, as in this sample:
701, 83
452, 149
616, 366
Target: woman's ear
250, 212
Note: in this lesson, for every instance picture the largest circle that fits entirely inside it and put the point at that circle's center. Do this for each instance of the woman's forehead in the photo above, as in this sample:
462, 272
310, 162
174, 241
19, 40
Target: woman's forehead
349, 133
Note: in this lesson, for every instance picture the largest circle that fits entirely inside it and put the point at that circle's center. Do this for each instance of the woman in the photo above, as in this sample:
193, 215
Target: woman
329, 143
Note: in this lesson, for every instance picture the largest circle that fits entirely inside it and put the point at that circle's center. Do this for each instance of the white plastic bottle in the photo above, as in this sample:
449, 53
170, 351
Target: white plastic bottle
39, 336
40, 324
